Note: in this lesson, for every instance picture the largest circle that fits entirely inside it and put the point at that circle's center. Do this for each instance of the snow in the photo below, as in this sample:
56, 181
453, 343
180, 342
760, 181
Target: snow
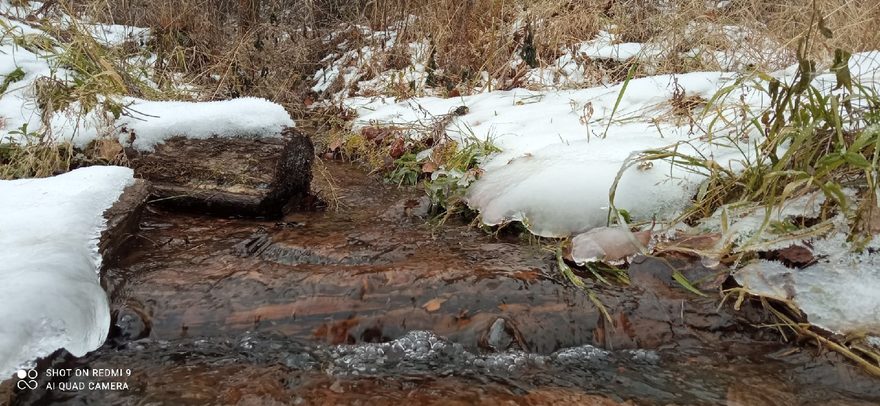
150, 123
246, 117
49, 234
606, 46
117, 35
838, 293
20, 9
749, 228
555, 171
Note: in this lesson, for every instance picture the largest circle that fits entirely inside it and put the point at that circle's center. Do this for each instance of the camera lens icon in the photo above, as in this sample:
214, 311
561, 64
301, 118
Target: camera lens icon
27, 379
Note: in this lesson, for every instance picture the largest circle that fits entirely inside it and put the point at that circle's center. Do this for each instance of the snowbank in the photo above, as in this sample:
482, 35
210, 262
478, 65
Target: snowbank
49, 235
556, 169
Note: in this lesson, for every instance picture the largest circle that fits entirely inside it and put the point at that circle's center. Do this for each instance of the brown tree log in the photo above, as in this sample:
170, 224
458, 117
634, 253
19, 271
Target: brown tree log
229, 176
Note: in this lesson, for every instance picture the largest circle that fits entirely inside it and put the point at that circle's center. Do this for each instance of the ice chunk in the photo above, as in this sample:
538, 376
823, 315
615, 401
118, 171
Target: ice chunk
839, 296
49, 235
580, 355
607, 244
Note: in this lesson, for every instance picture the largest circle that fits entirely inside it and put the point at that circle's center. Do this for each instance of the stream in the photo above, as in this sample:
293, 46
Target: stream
368, 303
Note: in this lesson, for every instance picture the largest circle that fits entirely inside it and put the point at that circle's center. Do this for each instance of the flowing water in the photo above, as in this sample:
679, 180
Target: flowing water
368, 304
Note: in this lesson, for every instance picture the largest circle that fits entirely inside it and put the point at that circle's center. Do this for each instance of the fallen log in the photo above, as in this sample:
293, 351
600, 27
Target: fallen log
122, 222
228, 176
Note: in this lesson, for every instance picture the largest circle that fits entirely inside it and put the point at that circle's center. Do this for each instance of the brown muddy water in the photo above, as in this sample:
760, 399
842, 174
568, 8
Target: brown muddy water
368, 304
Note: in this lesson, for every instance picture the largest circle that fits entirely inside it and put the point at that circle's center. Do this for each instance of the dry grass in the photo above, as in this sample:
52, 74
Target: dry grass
200, 40
469, 38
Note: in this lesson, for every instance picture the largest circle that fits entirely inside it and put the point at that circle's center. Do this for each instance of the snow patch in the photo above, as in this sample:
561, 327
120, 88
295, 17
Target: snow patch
149, 123
49, 260
154, 122
117, 35
556, 169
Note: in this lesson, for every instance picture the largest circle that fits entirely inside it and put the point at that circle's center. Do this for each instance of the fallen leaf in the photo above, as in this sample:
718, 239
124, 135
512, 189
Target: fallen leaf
107, 149
796, 255
698, 242
371, 133
335, 145
398, 148
692, 245
434, 304
429, 167
527, 276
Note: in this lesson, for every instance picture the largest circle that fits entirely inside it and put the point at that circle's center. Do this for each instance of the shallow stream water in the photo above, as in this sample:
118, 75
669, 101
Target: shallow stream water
368, 304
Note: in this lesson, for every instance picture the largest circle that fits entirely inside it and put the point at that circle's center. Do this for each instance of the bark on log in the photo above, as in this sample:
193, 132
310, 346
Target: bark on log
122, 222
229, 176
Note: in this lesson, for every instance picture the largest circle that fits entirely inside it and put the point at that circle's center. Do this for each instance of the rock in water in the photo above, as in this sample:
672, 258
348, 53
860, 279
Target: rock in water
231, 176
498, 338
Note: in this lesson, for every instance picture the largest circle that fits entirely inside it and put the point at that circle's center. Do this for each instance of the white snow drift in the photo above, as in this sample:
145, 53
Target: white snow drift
49, 234
555, 170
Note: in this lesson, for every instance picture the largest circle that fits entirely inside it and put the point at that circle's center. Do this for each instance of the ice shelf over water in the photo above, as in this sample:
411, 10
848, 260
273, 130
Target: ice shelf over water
839, 293
49, 258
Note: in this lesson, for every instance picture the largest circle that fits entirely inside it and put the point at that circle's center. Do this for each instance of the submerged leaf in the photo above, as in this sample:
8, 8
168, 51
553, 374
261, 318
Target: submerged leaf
434, 304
